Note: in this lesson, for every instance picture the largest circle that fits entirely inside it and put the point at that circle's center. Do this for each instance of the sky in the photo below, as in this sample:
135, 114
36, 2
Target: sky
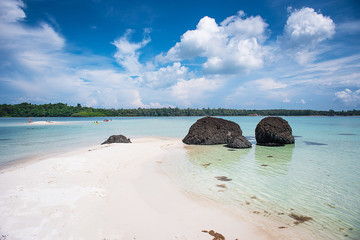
260, 54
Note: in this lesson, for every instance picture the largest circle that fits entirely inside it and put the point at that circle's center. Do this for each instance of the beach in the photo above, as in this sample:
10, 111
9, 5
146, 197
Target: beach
118, 191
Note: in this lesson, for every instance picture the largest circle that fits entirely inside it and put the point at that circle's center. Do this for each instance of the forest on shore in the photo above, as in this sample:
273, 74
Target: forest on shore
64, 110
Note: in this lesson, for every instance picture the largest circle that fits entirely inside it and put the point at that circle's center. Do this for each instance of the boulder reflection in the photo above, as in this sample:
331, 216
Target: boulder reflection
273, 160
210, 156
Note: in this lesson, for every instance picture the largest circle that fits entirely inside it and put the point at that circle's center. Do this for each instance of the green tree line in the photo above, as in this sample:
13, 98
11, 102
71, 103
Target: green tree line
64, 110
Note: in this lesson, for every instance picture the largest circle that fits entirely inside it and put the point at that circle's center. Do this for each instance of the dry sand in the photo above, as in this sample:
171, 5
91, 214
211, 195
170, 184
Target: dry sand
117, 191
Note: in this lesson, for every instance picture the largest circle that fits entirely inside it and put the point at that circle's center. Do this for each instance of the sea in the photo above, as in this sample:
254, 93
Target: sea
318, 177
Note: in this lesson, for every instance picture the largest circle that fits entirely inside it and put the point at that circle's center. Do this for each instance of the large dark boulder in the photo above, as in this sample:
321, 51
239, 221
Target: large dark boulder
210, 131
117, 139
273, 131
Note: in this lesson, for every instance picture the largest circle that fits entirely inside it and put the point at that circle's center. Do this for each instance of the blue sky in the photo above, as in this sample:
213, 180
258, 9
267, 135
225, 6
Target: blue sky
233, 54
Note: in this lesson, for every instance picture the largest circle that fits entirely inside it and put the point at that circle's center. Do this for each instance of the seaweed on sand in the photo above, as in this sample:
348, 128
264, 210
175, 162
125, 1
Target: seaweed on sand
223, 178
217, 236
300, 218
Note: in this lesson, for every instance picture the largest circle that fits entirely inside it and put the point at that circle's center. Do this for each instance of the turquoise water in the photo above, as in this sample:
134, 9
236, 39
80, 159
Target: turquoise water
19, 139
318, 176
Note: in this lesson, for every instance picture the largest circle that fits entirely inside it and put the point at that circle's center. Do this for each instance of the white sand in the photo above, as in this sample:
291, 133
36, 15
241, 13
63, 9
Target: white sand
116, 191
48, 123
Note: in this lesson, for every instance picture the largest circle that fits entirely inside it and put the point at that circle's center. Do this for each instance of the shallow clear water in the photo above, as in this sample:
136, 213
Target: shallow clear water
318, 176
19, 139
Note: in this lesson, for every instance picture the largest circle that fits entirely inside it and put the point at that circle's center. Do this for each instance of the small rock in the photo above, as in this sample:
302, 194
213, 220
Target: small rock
117, 139
238, 142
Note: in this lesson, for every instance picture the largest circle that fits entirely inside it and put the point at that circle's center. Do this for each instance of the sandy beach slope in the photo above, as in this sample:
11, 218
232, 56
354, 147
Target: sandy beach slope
117, 191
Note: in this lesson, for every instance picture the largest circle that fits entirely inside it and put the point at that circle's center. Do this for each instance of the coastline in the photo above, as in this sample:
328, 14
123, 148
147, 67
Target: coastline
118, 191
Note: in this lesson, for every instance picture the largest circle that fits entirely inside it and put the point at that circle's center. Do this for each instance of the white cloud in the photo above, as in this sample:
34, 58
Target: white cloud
266, 84
286, 100
165, 77
305, 27
29, 54
350, 27
35, 66
11, 11
233, 46
305, 56
25, 48
263, 92
127, 54
340, 72
109, 88
349, 97
193, 91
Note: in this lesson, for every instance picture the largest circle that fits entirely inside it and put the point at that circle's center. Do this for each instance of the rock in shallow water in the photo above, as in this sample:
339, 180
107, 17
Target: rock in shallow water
117, 139
273, 131
238, 142
210, 131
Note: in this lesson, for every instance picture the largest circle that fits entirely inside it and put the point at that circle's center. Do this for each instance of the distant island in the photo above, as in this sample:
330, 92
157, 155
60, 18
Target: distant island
64, 110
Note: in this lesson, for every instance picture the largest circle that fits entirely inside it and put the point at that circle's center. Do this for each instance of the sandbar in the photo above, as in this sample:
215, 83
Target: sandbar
117, 191
48, 123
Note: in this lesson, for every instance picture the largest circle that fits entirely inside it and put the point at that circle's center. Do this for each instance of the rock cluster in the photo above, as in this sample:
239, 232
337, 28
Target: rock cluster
117, 139
210, 131
273, 131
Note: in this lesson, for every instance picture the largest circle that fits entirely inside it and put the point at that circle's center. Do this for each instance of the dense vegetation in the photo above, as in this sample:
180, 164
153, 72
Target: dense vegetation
63, 110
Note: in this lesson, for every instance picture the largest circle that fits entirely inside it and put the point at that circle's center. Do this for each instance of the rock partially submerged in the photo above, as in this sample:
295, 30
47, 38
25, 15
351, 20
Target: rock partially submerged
117, 139
273, 131
238, 142
211, 131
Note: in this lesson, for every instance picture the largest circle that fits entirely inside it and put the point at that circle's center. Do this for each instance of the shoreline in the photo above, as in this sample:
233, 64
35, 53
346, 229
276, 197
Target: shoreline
118, 191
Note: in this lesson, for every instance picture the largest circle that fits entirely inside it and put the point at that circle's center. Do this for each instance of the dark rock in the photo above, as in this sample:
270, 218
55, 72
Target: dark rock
238, 142
273, 131
117, 139
210, 131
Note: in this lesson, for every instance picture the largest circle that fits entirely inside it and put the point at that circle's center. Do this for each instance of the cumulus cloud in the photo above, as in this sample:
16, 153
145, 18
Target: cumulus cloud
349, 97
165, 76
305, 29
233, 46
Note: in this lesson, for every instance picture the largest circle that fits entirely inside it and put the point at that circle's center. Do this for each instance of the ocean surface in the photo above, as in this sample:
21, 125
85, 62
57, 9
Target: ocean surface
317, 177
